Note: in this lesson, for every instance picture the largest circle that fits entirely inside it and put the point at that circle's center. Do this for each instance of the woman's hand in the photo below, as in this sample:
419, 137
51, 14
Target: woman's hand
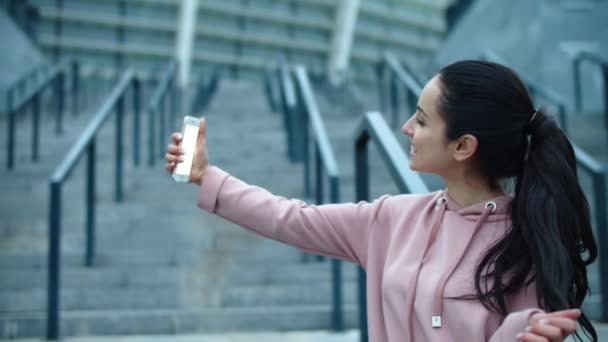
200, 161
550, 327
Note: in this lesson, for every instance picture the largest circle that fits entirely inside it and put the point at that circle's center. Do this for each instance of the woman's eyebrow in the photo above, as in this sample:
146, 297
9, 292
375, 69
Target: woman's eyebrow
421, 111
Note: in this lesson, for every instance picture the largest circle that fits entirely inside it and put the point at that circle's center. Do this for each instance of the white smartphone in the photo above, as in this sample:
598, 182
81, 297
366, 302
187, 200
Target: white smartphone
181, 173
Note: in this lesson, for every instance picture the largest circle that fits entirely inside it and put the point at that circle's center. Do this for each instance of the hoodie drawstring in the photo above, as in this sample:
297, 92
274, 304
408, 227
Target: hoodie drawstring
441, 207
438, 297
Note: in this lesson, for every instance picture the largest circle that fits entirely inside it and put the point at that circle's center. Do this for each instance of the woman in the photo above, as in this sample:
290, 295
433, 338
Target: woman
477, 261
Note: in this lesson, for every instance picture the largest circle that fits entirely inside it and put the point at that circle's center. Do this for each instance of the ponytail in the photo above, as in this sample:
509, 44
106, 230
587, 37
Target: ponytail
551, 228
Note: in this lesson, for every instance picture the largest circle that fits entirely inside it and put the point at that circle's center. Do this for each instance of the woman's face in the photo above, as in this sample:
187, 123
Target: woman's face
430, 151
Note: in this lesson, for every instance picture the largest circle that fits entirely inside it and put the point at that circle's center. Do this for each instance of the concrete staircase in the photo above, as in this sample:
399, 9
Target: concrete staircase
238, 35
163, 266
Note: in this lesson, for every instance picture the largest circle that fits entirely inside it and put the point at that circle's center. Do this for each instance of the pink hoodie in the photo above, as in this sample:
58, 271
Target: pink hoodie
417, 250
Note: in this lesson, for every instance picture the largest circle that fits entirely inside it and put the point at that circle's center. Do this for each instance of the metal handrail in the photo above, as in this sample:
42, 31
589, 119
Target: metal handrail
287, 98
55, 78
156, 107
86, 144
270, 88
373, 127
536, 90
398, 75
21, 83
603, 64
325, 162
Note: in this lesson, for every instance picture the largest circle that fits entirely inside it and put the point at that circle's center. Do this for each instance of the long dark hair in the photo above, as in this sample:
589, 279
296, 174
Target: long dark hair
551, 240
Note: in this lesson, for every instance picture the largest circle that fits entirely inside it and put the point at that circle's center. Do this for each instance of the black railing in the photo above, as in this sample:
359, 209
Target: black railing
390, 71
537, 91
157, 108
58, 29
373, 127
603, 64
25, 15
20, 97
86, 144
270, 88
291, 120
325, 165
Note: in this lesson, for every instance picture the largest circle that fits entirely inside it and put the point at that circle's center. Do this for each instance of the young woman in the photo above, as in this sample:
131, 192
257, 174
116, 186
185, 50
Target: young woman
499, 255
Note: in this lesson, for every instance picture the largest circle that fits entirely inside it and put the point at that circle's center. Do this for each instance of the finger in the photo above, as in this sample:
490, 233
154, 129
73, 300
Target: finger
169, 167
530, 337
176, 137
570, 313
171, 158
174, 149
567, 325
542, 328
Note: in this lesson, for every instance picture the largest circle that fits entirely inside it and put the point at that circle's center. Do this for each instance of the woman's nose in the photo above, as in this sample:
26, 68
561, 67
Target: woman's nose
406, 129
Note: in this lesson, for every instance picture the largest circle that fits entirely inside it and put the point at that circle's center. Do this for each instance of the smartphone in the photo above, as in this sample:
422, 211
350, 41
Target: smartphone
181, 173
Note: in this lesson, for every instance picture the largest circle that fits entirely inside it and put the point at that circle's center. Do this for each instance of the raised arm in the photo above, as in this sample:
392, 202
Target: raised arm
337, 230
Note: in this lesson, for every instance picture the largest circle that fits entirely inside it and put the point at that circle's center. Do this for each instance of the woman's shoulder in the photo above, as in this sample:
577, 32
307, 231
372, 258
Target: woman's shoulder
406, 202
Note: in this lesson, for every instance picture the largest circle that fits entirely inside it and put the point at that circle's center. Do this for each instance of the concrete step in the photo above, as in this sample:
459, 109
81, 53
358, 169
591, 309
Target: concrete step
114, 322
308, 293
91, 299
96, 277
297, 273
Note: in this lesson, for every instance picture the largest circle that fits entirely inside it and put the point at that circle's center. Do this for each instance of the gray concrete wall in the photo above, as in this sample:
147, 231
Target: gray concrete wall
18, 56
535, 36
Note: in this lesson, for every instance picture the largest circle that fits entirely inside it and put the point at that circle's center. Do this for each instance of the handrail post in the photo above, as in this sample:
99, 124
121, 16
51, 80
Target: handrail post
172, 103
136, 119
318, 176
161, 124
605, 74
577, 83
10, 156
59, 92
381, 72
561, 114
362, 193
336, 268
393, 91
599, 181
35, 126
151, 137
305, 148
90, 205
54, 264
75, 87
120, 109
319, 180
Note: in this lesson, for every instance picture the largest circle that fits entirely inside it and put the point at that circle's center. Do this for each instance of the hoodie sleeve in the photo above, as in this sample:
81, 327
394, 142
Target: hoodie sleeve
336, 230
523, 305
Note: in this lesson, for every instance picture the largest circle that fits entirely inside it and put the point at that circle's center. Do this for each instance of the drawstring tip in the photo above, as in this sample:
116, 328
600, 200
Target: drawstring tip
436, 321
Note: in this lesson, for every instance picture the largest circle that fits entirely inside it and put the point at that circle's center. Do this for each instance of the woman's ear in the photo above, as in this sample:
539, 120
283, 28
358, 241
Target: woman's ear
466, 146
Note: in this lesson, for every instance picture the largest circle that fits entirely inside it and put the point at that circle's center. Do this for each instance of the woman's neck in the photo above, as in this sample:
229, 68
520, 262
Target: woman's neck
468, 192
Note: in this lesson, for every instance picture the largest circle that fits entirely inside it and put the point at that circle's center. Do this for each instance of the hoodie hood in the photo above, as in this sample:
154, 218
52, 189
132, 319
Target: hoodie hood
492, 210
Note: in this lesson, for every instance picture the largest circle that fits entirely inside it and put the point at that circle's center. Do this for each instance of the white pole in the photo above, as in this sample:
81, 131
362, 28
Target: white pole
185, 39
344, 32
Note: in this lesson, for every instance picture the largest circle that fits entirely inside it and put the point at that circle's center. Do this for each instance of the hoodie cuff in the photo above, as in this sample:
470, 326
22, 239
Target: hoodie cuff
515, 323
211, 185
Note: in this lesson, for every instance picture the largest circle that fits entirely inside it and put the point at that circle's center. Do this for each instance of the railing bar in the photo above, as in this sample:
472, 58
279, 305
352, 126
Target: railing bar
319, 130
68, 163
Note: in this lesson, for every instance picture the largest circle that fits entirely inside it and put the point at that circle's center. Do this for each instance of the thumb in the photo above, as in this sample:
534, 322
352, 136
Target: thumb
201, 126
